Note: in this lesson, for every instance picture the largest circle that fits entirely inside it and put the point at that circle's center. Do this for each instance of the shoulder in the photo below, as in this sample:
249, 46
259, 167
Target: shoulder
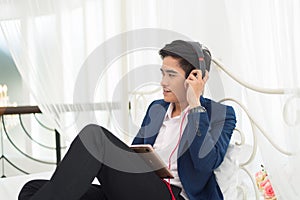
157, 107
156, 110
160, 103
216, 109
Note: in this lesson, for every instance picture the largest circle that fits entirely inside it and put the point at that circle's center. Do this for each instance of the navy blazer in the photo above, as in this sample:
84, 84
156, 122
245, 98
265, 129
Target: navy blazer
202, 147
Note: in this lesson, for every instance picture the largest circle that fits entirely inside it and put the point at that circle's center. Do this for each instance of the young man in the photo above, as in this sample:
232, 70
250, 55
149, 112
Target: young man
190, 132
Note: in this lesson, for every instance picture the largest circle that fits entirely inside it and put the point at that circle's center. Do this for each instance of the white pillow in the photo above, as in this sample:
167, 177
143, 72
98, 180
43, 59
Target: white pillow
227, 173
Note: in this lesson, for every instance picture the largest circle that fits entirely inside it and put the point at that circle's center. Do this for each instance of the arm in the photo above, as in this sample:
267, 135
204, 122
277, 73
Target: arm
209, 139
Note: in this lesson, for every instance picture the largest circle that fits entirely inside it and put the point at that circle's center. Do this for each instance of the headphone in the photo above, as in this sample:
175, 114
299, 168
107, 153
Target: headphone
198, 49
183, 48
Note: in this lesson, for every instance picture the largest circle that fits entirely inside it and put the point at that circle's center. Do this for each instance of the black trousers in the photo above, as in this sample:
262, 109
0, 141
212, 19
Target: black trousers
96, 152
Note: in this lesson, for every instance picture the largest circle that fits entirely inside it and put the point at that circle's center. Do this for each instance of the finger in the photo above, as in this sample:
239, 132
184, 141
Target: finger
196, 73
188, 82
192, 76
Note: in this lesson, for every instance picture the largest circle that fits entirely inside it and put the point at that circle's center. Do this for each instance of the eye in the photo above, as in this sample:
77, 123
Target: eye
171, 75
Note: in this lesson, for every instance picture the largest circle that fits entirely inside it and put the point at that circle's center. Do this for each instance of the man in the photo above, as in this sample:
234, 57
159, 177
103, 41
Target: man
190, 132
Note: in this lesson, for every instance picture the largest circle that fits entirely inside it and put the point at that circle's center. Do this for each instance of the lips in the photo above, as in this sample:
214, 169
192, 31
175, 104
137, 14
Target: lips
166, 91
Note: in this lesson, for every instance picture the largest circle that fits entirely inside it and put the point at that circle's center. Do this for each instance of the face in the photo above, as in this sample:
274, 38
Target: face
172, 82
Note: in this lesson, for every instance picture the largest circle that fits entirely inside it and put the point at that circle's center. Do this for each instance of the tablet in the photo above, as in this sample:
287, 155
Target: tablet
147, 152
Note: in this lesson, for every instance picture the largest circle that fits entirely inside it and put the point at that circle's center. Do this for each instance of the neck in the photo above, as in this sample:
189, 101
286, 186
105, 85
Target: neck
178, 108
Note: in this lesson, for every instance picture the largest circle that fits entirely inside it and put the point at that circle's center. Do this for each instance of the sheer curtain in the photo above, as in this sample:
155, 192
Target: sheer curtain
75, 52
49, 41
57, 48
265, 43
65, 51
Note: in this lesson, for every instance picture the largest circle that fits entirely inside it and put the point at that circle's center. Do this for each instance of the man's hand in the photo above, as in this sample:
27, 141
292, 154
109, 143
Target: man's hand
195, 87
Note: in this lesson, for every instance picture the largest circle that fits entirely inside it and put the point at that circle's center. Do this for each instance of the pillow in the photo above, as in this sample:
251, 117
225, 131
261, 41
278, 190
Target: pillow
227, 173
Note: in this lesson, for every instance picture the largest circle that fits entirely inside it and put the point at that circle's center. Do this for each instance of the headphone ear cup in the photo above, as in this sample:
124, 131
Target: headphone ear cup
201, 59
207, 58
202, 66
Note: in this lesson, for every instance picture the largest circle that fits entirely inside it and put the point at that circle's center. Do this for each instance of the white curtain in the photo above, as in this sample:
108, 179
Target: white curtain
67, 53
80, 52
72, 52
265, 38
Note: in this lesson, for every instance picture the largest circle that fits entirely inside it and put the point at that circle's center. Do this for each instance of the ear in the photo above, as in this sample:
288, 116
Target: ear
206, 77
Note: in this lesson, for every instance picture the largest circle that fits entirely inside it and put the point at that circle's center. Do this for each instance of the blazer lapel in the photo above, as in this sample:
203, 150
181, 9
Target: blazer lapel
156, 113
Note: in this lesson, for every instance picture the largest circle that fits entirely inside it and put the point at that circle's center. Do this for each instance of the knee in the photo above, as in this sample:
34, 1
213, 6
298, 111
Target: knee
93, 135
91, 129
94, 131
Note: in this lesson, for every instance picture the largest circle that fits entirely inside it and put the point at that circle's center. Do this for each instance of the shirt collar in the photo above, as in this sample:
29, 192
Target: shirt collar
170, 109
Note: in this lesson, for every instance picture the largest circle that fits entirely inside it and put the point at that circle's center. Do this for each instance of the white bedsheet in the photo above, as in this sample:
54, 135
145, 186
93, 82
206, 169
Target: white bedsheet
11, 186
226, 175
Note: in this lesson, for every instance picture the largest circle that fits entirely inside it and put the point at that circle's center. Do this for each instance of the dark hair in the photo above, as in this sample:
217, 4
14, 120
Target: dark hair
185, 65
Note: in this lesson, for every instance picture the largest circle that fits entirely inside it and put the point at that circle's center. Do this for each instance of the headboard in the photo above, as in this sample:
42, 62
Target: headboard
236, 175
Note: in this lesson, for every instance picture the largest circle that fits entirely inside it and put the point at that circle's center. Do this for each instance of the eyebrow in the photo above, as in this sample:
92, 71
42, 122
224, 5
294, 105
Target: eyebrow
170, 71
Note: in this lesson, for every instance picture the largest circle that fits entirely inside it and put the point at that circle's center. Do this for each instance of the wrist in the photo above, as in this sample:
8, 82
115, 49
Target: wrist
197, 109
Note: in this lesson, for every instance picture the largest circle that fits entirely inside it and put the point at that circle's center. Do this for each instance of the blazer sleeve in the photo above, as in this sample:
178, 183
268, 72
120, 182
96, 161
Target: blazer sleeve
208, 136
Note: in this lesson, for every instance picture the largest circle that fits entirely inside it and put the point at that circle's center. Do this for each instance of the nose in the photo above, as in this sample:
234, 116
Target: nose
163, 81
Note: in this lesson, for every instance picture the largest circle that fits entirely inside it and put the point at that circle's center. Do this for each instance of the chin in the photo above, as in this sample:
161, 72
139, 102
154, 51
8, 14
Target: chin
169, 100
166, 99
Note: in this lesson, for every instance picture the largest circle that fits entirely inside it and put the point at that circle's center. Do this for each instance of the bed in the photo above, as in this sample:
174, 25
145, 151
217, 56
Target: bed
236, 175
